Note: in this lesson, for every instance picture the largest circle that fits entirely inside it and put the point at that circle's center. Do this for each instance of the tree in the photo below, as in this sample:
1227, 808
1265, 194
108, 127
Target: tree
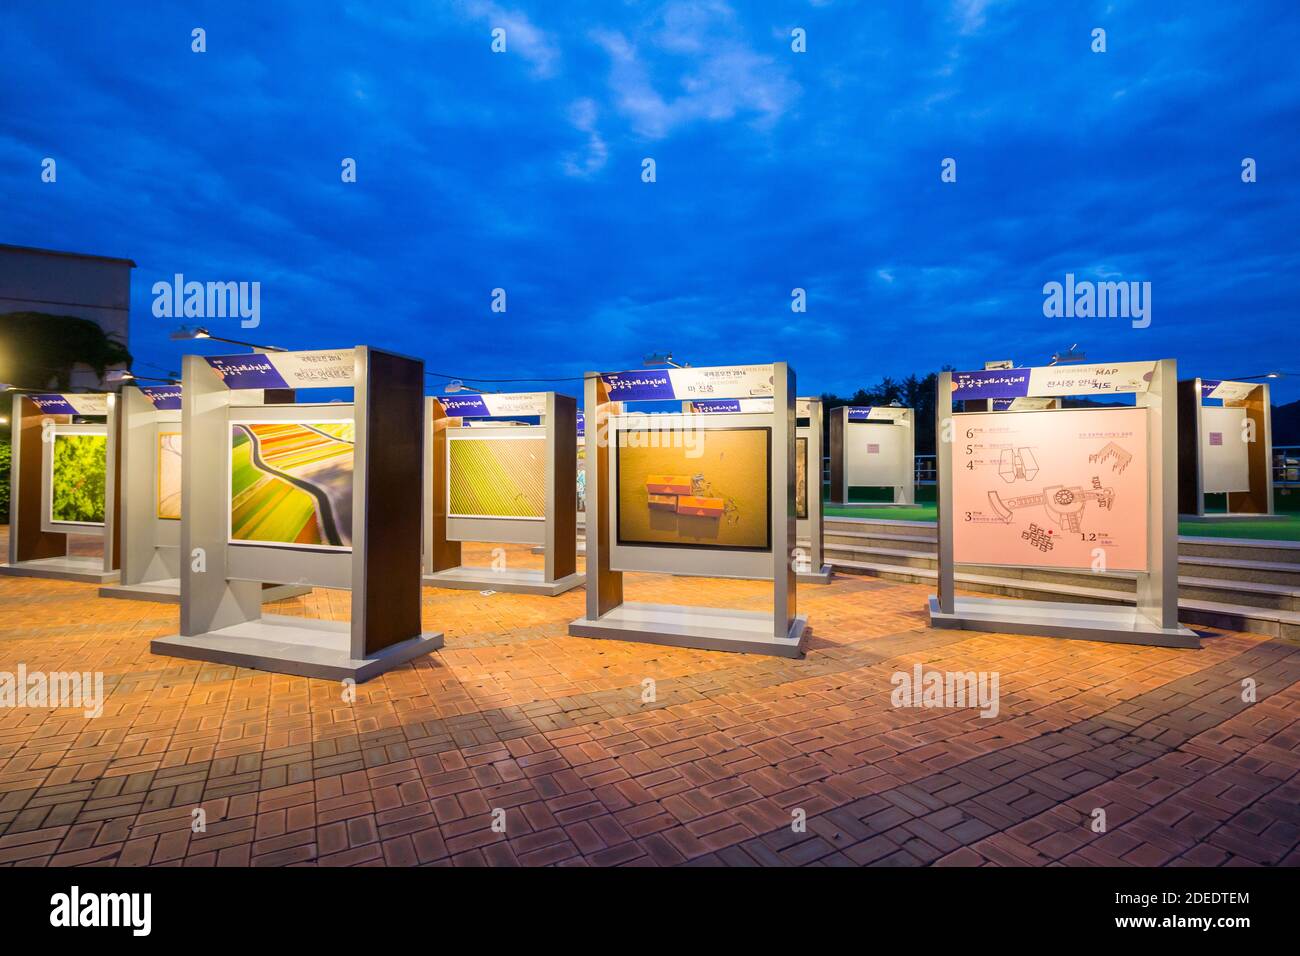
39, 350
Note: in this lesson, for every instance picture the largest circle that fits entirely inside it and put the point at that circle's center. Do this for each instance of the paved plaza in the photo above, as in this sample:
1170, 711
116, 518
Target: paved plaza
593, 752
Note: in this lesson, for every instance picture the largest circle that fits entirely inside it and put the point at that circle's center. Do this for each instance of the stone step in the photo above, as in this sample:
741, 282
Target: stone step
1232, 569
1241, 549
1284, 596
1271, 622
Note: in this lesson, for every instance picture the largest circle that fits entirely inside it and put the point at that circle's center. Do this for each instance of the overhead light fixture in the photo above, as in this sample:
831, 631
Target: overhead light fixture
185, 333
654, 358
456, 385
1069, 355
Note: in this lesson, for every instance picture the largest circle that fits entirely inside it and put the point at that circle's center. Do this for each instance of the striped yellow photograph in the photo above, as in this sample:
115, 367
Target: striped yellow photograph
496, 477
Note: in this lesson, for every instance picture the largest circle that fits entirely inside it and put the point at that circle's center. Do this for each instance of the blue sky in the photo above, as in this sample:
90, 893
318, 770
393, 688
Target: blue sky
776, 170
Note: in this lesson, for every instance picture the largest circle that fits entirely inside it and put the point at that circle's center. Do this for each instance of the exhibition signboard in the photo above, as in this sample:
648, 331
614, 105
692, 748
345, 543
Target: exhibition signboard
694, 492
1053, 380
276, 370
1091, 489
1225, 449
873, 447
502, 482
732, 381
313, 494
63, 477
1060, 489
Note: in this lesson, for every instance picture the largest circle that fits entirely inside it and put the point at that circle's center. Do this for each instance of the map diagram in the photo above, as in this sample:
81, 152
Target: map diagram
1054, 488
1065, 506
1114, 453
1017, 463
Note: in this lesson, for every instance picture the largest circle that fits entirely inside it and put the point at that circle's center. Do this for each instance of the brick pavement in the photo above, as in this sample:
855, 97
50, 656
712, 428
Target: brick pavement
515, 715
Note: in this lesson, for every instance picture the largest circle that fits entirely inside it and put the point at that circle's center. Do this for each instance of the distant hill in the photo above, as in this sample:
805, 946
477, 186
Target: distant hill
1286, 424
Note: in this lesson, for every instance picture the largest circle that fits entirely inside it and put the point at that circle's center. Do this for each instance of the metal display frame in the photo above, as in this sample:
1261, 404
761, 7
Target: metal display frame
1154, 619
555, 534
1257, 501
779, 632
221, 581
850, 423
38, 547
150, 545
811, 566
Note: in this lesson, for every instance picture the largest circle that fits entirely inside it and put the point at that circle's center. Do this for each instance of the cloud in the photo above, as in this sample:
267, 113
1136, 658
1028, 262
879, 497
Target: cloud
535, 45
582, 114
690, 63
818, 171
969, 14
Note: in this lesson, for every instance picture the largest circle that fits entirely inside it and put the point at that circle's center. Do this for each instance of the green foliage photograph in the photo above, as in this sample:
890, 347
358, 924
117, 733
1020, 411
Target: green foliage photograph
77, 480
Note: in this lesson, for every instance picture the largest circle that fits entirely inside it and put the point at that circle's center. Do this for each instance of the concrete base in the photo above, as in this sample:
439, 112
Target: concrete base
814, 577
294, 645
68, 568
168, 591
706, 628
581, 548
1082, 622
515, 581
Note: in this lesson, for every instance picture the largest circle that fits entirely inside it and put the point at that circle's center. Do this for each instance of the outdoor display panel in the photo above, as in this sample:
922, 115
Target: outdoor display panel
873, 447
1225, 448
704, 489
490, 479
64, 479
1091, 488
1051, 488
710, 488
291, 483
78, 477
496, 476
169, 476
311, 494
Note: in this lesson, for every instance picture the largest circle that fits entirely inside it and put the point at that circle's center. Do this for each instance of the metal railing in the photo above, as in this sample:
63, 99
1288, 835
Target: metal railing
925, 473
1286, 466
927, 470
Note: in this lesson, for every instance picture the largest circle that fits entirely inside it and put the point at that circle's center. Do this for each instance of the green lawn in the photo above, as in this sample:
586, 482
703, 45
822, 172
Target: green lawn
1284, 529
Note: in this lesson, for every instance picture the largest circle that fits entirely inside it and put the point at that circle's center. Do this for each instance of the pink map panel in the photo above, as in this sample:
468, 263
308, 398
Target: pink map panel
1059, 489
